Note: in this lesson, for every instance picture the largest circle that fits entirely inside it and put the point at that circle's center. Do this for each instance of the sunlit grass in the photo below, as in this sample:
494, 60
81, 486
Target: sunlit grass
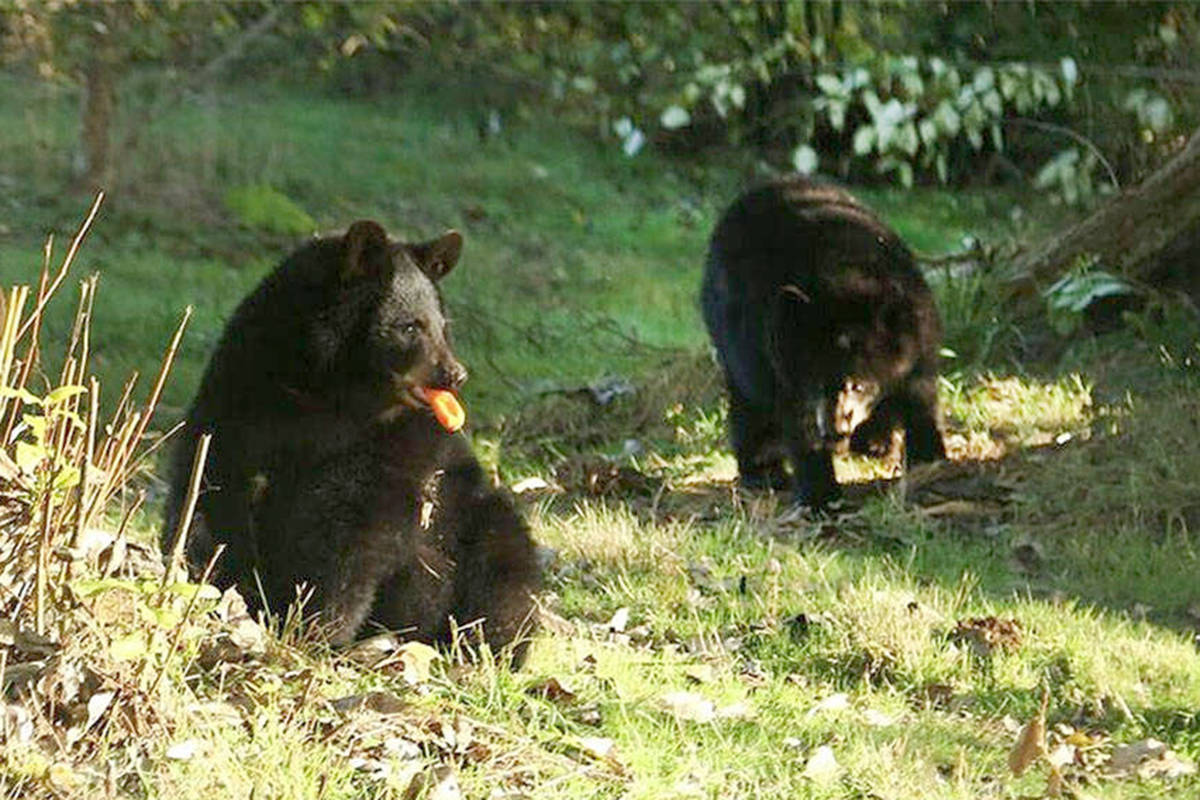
1083, 525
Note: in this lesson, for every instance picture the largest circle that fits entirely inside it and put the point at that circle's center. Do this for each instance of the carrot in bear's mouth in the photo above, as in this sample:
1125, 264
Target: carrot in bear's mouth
446, 408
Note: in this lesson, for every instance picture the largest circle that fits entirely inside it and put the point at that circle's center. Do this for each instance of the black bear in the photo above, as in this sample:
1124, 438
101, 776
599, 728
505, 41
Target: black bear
327, 467
824, 328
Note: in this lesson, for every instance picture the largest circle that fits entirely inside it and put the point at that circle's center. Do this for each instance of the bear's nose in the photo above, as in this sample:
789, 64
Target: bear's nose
453, 375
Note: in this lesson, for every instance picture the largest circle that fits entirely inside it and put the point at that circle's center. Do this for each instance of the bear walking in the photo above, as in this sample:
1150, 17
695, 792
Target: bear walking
824, 328
327, 468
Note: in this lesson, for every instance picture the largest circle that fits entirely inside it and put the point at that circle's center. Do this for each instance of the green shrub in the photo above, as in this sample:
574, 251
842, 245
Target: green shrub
262, 207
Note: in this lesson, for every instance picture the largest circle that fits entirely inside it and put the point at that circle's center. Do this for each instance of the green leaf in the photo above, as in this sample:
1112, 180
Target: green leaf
65, 478
187, 590
984, 79
1157, 115
907, 139
674, 117
830, 84
804, 160
87, 587
927, 129
993, 103
864, 138
128, 648
871, 101
947, 118
28, 457
1070, 70
36, 424
24, 395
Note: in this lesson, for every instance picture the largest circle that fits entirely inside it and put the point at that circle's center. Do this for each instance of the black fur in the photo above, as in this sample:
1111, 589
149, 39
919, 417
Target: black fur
820, 318
328, 469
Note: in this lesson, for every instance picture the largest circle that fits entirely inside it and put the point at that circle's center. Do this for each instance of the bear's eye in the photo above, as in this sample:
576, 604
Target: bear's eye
410, 328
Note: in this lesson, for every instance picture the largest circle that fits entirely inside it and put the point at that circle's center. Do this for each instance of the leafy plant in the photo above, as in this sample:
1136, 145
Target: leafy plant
915, 109
1069, 177
265, 208
1069, 296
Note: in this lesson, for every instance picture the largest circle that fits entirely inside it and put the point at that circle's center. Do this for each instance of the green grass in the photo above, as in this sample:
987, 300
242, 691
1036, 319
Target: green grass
1069, 505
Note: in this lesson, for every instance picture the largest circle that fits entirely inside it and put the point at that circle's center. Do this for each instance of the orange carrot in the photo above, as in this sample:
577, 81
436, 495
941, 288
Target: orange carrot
446, 408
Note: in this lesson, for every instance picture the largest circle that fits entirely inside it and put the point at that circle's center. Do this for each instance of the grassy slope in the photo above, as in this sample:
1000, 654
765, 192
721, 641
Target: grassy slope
581, 264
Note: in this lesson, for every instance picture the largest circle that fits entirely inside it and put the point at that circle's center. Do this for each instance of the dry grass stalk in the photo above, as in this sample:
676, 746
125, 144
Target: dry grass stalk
189, 508
62, 465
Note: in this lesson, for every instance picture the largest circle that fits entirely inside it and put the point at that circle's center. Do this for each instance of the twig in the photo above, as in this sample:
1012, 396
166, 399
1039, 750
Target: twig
189, 506
43, 566
187, 615
1078, 137
66, 265
89, 453
163, 371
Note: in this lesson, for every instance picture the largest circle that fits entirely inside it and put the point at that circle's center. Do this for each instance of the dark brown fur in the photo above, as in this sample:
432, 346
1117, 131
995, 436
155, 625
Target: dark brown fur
326, 468
816, 310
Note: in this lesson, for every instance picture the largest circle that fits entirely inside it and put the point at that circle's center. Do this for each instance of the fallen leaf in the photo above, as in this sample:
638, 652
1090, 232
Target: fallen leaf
1054, 782
379, 702
248, 636
183, 751
738, 710
596, 746
97, 704
689, 707
699, 673
373, 649
417, 659
878, 719
835, 702
1031, 744
217, 712
937, 695
17, 724
127, 648
553, 623
63, 778
619, 620
533, 484
552, 689
375, 767
1061, 756
1127, 756
1168, 766
822, 766
986, 634
437, 783
1149, 758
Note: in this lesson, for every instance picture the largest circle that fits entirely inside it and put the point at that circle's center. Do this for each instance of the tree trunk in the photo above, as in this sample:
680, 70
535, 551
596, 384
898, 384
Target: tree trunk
99, 103
1149, 232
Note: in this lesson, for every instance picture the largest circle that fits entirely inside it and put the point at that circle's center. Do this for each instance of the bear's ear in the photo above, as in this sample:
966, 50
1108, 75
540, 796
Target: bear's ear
365, 245
438, 256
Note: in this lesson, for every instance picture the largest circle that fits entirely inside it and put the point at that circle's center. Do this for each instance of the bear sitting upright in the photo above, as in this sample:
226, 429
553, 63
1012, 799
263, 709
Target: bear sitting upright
327, 468
825, 328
